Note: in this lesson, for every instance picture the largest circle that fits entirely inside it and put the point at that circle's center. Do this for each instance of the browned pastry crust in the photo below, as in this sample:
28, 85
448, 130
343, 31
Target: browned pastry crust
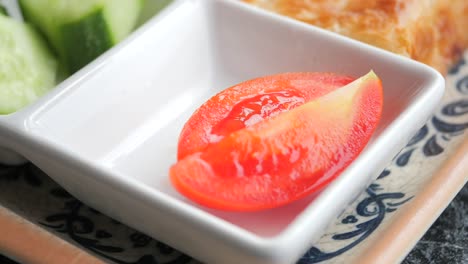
434, 32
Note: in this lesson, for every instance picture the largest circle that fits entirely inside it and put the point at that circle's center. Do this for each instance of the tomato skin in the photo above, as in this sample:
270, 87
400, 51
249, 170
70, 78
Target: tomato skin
285, 157
197, 132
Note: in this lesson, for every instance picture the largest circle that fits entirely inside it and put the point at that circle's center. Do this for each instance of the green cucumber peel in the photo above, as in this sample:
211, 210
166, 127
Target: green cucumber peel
3, 11
79, 31
85, 40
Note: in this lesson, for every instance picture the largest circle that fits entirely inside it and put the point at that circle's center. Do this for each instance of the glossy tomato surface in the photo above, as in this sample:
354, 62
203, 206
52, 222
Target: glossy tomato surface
270, 141
250, 102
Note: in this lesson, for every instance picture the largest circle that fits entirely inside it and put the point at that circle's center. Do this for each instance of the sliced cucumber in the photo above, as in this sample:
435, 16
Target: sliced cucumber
80, 31
27, 67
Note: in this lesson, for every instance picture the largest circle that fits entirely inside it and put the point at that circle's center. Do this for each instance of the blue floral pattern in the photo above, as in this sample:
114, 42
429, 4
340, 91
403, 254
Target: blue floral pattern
373, 209
81, 229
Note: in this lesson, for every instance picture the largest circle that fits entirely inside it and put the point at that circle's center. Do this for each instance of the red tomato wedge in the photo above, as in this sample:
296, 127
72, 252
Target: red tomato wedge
254, 100
270, 141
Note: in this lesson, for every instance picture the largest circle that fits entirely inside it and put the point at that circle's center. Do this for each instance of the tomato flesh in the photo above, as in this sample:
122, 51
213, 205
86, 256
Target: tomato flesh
276, 147
215, 113
255, 109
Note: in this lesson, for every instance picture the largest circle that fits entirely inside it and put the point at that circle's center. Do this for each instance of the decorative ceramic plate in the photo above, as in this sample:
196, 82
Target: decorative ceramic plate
399, 206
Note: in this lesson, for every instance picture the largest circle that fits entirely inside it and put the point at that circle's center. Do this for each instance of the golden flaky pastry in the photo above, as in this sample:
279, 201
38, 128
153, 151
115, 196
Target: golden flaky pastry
434, 32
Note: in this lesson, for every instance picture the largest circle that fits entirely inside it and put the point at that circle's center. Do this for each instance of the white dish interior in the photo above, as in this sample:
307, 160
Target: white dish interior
115, 124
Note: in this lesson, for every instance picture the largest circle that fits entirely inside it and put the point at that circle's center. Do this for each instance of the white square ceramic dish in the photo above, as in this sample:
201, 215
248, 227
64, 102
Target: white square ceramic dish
109, 133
